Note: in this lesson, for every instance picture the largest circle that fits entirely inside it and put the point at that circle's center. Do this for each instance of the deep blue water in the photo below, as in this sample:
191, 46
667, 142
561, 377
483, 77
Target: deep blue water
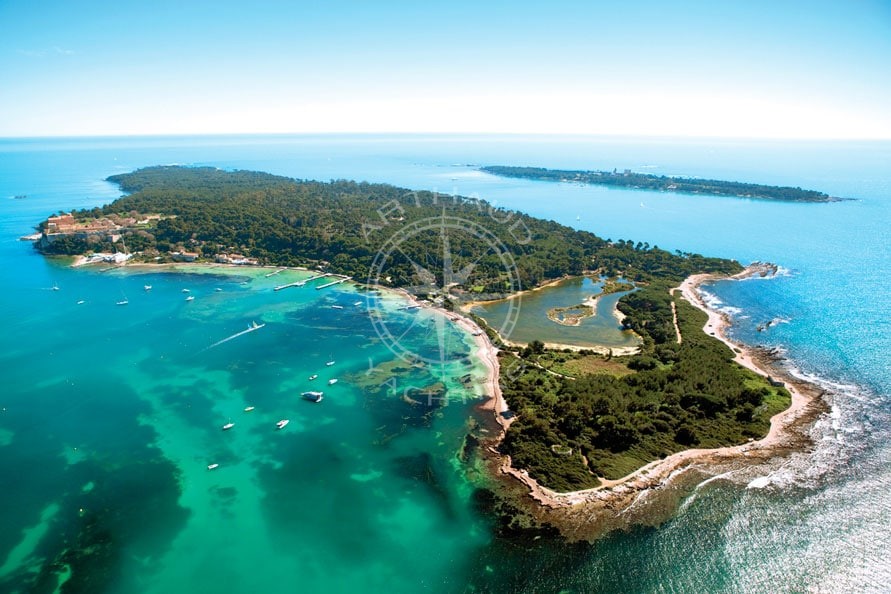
100, 379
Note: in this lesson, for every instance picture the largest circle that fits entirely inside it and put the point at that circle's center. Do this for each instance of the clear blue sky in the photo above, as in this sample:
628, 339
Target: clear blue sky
749, 68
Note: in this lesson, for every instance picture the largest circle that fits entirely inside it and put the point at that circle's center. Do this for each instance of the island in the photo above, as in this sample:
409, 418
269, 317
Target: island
572, 426
628, 179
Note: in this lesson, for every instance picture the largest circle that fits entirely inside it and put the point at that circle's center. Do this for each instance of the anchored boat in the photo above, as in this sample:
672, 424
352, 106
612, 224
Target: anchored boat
312, 396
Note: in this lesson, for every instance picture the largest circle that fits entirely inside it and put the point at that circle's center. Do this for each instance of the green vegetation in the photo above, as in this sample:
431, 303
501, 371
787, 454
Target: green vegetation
616, 416
644, 181
341, 225
679, 396
570, 316
577, 364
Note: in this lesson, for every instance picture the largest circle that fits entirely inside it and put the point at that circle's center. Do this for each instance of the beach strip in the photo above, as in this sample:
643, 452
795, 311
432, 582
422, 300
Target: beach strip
784, 435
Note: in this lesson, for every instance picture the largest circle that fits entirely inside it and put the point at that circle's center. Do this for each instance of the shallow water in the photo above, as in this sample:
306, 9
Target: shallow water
110, 414
532, 322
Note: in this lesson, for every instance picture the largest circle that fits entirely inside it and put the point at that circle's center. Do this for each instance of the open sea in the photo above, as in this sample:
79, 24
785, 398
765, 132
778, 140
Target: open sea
110, 415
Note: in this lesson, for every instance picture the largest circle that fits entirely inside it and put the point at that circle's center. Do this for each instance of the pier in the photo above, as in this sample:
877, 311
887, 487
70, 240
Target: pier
273, 273
303, 282
332, 283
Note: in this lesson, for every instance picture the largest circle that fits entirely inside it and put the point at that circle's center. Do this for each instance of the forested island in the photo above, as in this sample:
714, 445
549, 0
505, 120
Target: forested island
340, 226
579, 416
628, 179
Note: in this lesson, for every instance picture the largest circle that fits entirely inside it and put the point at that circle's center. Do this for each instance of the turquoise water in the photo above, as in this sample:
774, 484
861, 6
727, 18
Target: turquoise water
109, 415
532, 322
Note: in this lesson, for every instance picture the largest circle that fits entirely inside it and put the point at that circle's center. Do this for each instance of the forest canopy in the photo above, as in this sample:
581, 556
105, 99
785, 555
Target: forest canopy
342, 225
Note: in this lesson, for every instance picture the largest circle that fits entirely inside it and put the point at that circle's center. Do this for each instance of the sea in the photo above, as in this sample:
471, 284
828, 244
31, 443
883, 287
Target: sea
110, 415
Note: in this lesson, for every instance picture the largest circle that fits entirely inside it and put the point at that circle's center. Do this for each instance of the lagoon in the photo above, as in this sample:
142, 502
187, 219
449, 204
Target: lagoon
532, 322
113, 410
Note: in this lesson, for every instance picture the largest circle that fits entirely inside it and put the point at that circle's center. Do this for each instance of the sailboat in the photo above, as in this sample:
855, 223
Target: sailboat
123, 301
228, 425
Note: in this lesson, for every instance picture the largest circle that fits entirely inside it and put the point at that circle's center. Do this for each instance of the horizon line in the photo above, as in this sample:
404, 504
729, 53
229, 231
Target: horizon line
440, 133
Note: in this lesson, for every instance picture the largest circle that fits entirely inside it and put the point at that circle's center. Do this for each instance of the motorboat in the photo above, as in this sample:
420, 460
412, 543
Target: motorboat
282, 424
312, 396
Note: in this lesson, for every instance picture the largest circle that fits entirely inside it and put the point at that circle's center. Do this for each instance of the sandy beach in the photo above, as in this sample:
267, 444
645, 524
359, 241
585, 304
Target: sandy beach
587, 513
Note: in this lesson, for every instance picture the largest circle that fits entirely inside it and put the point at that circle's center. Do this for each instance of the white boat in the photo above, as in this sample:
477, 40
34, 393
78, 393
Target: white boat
329, 363
313, 376
81, 302
331, 382
358, 303
248, 408
228, 426
147, 287
281, 424
336, 307
190, 298
122, 302
212, 466
218, 289
185, 290
54, 288
312, 396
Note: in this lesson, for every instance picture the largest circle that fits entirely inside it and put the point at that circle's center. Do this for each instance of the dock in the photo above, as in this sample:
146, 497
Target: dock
332, 283
303, 282
276, 272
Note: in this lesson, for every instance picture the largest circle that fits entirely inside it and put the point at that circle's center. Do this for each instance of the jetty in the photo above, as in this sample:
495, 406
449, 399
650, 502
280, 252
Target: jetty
334, 282
303, 282
274, 272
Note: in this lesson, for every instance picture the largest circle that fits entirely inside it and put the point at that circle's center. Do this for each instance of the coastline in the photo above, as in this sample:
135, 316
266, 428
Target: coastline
589, 513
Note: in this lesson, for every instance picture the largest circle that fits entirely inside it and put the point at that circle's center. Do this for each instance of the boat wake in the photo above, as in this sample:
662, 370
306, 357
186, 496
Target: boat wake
251, 328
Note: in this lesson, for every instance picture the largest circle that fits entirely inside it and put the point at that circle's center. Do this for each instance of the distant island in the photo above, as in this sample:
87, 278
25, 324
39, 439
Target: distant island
643, 181
576, 420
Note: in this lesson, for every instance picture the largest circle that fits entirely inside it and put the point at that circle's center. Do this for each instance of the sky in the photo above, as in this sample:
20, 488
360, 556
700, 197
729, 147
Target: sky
767, 69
